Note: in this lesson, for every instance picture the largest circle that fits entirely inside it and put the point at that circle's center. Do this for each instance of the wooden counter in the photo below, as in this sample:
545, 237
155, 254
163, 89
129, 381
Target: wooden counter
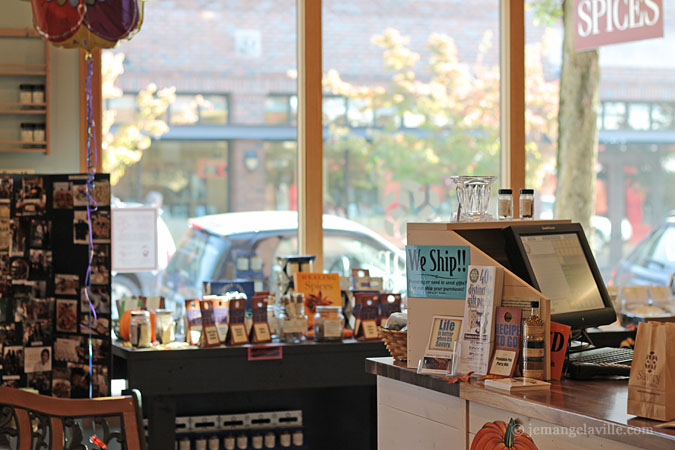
581, 414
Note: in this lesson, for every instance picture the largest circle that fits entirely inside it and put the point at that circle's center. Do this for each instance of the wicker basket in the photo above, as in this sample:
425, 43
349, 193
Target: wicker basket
396, 342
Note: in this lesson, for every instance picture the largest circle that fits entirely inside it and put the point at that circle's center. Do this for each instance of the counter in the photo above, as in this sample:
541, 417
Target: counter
423, 411
324, 380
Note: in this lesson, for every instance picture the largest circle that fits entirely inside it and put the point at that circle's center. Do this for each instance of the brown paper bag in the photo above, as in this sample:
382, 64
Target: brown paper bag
651, 388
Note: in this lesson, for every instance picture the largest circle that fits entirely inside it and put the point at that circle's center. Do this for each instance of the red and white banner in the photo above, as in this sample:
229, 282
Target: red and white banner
603, 22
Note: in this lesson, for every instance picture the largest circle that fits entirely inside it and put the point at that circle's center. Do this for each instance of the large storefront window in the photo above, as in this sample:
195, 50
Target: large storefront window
195, 119
633, 193
411, 98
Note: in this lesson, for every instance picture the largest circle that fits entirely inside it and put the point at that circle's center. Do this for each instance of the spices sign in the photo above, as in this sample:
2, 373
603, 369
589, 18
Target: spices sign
603, 22
437, 271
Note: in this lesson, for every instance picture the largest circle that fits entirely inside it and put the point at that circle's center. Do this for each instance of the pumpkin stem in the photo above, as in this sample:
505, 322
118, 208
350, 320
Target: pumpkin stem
509, 434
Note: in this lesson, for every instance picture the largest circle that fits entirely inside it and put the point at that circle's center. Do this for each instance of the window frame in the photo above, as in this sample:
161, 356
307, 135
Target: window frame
310, 123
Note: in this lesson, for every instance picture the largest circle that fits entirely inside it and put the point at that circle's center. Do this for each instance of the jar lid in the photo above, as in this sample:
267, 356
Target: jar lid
506, 191
140, 313
328, 308
527, 191
163, 312
25, 87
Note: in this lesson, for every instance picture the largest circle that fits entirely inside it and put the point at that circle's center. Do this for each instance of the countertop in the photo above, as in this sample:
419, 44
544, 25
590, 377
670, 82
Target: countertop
600, 404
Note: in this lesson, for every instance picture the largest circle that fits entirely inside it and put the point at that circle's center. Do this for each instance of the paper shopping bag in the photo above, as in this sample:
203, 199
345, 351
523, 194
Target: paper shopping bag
651, 388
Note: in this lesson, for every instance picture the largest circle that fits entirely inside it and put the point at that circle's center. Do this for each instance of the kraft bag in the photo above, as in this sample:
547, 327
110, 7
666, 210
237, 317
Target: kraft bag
651, 388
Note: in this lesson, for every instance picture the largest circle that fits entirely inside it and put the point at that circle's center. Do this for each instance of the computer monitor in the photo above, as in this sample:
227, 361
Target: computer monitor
557, 260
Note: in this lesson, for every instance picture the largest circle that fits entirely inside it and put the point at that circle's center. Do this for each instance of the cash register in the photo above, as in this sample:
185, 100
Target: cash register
557, 260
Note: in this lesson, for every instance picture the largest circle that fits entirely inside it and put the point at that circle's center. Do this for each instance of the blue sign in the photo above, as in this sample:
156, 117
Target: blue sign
437, 271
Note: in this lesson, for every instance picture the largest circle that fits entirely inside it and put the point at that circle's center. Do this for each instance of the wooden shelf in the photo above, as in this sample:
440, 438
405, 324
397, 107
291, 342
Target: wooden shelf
3, 142
24, 111
35, 73
15, 68
17, 105
23, 150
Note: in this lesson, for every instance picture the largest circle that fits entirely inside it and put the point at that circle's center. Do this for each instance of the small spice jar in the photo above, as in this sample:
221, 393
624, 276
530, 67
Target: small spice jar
38, 94
285, 439
165, 326
505, 204
26, 132
292, 318
25, 94
270, 440
329, 324
526, 203
139, 329
214, 443
39, 132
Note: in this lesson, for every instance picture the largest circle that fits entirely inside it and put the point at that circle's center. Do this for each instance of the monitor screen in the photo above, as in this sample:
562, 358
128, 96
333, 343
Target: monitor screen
562, 272
557, 260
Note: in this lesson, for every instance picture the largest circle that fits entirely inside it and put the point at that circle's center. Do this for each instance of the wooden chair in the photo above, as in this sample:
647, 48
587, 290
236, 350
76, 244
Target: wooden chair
31, 421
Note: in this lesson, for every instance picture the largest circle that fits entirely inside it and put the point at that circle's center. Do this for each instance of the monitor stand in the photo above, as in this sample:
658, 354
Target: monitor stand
579, 341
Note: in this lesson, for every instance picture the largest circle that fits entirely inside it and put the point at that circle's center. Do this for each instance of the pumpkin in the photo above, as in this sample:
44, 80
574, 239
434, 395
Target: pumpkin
498, 435
125, 323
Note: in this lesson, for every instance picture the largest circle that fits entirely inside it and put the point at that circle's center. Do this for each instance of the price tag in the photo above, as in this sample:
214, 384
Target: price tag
263, 353
369, 329
238, 334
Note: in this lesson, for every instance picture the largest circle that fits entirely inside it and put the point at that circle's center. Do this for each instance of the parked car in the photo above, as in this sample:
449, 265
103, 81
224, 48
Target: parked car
652, 261
125, 284
213, 244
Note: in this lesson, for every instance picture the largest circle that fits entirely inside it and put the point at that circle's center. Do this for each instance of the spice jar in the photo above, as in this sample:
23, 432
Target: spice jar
270, 440
26, 132
273, 316
25, 94
526, 203
292, 318
242, 441
165, 326
228, 442
298, 438
329, 323
139, 329
214, 443
285, 439
533, 344
38, 94
505, 204
39, 132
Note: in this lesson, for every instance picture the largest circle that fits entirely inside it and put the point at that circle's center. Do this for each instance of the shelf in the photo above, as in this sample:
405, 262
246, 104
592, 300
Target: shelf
35, 73
23, 111
21, 143
12, 105
23, 150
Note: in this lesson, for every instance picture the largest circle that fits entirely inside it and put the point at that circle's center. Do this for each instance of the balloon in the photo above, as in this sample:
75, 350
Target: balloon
87, 24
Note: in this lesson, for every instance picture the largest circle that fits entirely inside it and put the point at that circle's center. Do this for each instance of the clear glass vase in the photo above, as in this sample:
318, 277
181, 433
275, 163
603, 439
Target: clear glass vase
473, 194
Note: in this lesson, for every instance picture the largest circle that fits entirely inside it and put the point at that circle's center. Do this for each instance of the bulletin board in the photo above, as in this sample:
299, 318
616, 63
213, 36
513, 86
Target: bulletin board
44, 309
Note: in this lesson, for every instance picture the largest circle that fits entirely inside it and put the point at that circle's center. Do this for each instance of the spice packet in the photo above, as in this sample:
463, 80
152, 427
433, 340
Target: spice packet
237, 320
209, 330
366, 313
260, 331
389, 304
220, 313
193, 317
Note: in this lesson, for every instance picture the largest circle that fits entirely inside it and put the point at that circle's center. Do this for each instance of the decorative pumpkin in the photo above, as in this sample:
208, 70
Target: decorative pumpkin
125, 323
499, 435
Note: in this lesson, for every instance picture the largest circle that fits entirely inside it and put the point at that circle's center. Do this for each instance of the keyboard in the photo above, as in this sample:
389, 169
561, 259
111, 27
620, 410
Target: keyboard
599, 362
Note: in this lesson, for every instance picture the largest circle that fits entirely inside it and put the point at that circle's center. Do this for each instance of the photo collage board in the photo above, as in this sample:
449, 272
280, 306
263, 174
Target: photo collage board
44, 310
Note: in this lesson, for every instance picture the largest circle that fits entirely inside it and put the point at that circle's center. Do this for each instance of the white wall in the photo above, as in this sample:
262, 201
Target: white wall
64, 107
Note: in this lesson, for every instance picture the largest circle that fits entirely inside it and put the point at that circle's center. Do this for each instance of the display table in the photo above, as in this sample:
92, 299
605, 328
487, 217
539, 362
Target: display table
423, 411
324, 380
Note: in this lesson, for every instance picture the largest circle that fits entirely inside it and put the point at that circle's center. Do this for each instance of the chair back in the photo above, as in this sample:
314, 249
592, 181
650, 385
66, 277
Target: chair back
30, 421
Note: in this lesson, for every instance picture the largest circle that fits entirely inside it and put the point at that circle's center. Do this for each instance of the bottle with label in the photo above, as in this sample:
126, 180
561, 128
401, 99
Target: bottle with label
526, 203
505, 204
533, 344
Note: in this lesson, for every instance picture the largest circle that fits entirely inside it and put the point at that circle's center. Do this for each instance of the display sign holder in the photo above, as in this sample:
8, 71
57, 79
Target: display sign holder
421, 310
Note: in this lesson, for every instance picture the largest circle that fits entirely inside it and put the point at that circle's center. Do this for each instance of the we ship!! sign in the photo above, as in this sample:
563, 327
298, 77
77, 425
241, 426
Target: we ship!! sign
603, 22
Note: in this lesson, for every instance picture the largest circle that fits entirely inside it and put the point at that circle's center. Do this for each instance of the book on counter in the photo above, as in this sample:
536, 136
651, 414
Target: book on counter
518, 384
